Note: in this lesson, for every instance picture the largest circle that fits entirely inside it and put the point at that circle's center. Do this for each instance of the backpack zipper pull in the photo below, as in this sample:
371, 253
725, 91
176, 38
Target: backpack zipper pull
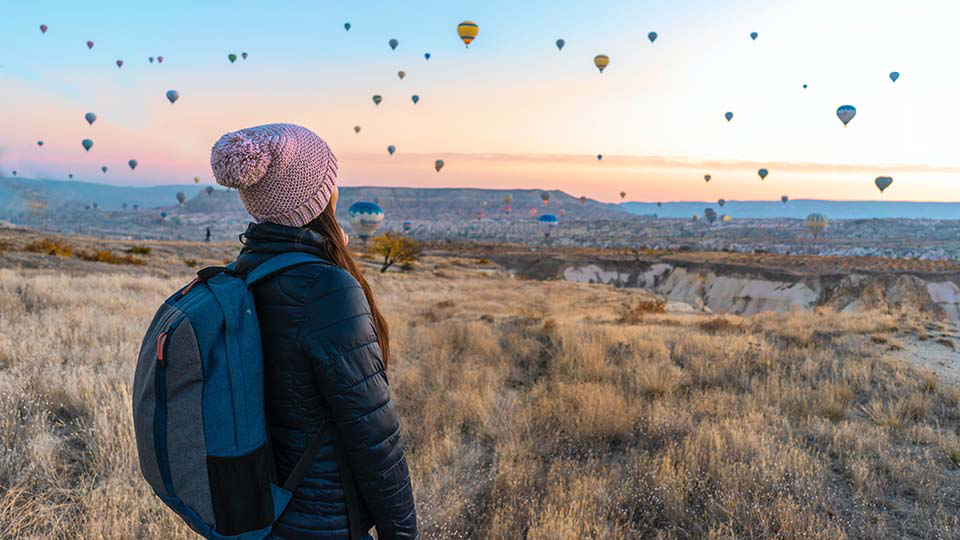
161, 341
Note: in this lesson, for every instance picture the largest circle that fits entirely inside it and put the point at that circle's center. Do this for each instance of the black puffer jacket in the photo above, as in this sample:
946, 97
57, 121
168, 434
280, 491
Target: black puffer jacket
323, 361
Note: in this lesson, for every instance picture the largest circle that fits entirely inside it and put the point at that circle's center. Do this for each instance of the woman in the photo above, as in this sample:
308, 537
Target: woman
325, 343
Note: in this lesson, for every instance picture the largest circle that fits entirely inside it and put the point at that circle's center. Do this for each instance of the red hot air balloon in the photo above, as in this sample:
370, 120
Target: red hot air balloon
89, 44
160, 59
119, 64
43, 29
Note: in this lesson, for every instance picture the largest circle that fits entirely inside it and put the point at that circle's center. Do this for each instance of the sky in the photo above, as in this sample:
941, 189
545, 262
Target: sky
510, 111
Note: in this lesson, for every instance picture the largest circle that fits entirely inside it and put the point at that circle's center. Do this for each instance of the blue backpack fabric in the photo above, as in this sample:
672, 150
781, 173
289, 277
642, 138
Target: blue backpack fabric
198, 407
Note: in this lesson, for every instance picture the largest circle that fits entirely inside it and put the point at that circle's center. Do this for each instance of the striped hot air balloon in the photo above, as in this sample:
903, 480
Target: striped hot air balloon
365, 218
601, 61
467, 30
815, 223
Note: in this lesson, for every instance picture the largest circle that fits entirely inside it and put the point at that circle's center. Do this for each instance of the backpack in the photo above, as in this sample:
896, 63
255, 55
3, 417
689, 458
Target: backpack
198, 408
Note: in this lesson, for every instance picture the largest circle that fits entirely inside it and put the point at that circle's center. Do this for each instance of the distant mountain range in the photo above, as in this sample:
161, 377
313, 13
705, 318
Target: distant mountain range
23, 194
800, 208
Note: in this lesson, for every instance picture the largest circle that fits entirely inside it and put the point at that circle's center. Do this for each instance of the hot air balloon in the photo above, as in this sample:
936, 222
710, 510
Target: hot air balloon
393, 44
507, 208
89, 44
533, 211
150, 59
181, 198
696, 217
356, 129
546, 197
753, 35
232, 58
377, 99
70, 176
815, 223
401, 74
728, 116
243, 55
426, 56
659, 204
560, 44
721, 202
804, 85
548, 222
173, 96
467, 30
43, 29
894, 75
119, 64
763, 173
346, 26
883, 182
507, 199
103, 169
90, 118
583, 200
87, 144
706, 178
599, 157
196, 179
652, 36
133, 164
846, 113
784, 199
623, 195
39, 143
407, 226
415, 98
438, 164
163, 215
710, 214
725, 219
209, 190
391, 149
365, 218
159, 59
601, 61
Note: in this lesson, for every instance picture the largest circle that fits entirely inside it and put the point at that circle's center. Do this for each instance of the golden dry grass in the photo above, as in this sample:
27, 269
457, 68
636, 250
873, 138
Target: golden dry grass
530, 410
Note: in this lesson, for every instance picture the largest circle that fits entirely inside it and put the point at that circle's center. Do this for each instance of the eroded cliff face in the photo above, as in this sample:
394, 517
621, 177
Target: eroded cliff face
743, 291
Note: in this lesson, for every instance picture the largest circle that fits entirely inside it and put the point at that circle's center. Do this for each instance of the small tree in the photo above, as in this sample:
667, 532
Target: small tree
395, 248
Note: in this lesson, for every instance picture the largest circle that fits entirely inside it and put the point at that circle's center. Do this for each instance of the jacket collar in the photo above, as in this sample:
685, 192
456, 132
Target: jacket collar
264, 240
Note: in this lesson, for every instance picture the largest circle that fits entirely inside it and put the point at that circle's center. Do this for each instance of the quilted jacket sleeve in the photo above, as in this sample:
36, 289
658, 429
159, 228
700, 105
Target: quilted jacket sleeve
339, 338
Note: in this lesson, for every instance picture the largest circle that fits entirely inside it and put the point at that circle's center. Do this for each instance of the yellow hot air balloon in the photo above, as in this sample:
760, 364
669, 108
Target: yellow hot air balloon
816, 223
601, 61
468, 31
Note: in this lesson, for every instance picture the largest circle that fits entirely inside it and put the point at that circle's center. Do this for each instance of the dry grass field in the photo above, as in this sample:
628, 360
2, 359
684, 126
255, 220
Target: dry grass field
531, 410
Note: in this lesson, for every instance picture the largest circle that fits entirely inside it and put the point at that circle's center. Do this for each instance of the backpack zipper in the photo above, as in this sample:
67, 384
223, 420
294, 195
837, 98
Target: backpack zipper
160, 414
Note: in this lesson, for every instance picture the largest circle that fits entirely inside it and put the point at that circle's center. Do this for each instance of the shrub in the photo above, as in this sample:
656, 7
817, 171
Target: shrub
104, 256
190, 262
633, 312
140, 250
50, 247
4, 246
396, 248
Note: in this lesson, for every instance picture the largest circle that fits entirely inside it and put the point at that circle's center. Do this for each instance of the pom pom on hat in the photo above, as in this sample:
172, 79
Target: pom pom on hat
239, 160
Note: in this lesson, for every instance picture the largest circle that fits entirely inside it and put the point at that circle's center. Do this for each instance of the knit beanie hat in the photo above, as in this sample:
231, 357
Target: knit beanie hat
285, 173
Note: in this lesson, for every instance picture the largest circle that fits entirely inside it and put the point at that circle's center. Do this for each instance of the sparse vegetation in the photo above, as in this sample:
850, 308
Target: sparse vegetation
191, 263
396, 248
139, 250
109, 257
50, 246
535, 410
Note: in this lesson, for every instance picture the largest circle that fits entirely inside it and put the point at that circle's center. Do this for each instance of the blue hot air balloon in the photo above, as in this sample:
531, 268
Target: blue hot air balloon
426, 55
133, 164
710, 214
846, 113
415, 98
39, 143
365, 218
407, 226
90, 118
753, 35
728, 116
652, 36
804, 85
763, 173
393, 44
894, 75
163, 215
391, 149
560, 44
548, 222
599, 157
87, 144
173, 96
346, 26
104, 169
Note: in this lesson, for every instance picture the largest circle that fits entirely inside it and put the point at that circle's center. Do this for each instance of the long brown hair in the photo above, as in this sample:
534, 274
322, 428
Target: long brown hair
326, 225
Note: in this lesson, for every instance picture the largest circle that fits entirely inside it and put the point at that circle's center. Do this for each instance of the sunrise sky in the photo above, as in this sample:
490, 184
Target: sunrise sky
509, 112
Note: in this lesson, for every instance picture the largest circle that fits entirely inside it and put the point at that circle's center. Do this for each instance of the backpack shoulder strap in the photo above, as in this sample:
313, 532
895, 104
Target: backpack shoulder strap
278, 263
